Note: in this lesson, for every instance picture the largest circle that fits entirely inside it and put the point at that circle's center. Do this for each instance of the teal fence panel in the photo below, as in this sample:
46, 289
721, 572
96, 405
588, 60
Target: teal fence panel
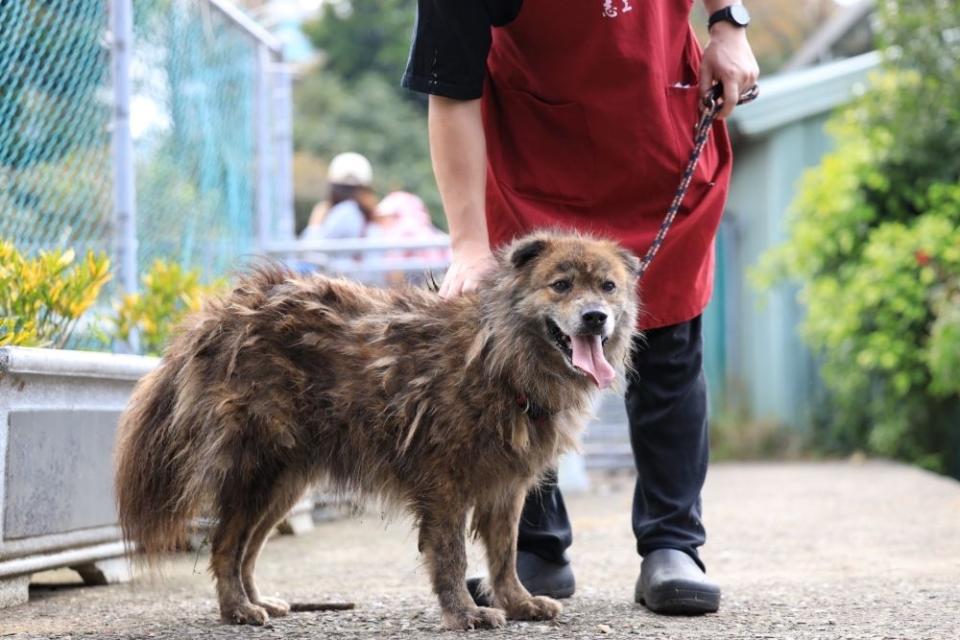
207, 94
193, 79
55, 171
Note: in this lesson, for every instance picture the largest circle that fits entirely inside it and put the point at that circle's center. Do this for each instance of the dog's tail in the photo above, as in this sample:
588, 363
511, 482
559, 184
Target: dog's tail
159, 474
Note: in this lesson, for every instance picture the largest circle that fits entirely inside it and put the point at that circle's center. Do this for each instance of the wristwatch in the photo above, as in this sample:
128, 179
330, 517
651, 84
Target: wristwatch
736, 14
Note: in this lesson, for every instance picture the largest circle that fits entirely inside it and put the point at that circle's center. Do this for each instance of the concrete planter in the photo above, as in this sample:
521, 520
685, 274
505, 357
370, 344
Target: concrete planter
58, 419
58, 416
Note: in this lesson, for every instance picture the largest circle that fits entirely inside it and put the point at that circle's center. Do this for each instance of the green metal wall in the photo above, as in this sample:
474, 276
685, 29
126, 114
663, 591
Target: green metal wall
753, 356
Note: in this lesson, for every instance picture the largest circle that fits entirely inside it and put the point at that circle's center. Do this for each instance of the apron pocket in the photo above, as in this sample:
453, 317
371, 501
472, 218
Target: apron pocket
544, 150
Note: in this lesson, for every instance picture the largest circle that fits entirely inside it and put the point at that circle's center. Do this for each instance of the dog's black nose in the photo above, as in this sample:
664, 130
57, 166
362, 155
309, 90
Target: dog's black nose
594, 320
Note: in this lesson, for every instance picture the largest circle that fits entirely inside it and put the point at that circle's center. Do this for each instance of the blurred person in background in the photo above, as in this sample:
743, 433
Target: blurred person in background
346, 214
351, 203
404, 216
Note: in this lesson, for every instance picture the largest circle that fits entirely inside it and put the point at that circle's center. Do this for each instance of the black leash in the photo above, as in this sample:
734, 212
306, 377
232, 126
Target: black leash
711, 107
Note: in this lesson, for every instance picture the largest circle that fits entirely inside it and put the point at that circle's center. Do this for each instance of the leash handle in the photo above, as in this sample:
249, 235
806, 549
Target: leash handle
716, 94
712, 103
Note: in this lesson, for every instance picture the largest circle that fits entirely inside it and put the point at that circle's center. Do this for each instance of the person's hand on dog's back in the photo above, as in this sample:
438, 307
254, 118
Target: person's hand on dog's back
469, 264
459, 153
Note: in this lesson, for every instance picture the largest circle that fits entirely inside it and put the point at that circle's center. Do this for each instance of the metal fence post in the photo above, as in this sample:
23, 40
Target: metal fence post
124, 185
124, 188
263, 155
283, 146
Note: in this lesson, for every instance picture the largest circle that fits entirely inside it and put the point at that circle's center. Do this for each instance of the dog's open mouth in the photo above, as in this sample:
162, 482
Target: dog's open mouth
559, 338
584, 353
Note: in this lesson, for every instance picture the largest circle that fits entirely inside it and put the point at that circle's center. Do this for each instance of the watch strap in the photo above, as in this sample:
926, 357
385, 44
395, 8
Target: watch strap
725, 15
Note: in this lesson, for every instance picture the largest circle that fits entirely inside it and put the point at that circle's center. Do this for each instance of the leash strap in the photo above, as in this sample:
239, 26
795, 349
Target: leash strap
711, 107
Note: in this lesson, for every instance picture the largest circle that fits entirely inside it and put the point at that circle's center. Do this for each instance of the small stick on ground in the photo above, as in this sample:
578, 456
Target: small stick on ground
298, 607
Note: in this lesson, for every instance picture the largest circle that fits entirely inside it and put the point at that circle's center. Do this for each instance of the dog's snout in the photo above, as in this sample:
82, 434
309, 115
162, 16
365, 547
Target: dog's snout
594, 320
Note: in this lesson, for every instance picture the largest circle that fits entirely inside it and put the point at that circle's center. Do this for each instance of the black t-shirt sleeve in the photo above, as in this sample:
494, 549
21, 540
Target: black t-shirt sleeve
451, 41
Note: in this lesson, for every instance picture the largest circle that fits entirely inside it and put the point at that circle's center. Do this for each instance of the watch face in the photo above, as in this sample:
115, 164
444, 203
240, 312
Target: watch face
740, 15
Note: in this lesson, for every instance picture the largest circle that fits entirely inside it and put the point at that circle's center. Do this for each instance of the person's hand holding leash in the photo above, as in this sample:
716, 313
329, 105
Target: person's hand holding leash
728, 60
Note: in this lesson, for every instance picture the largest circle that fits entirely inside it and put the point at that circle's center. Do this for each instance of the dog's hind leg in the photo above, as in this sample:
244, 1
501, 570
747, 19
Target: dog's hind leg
496, 524
240, 505
229, 541
442, 532
284, 495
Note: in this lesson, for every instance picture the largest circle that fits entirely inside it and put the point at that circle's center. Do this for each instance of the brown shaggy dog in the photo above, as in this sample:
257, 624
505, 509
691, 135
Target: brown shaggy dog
441, 406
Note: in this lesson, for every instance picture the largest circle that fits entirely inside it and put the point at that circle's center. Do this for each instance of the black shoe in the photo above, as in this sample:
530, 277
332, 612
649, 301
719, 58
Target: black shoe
672, 583
540, 577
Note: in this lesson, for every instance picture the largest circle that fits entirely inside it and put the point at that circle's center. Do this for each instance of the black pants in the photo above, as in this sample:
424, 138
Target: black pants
667, 409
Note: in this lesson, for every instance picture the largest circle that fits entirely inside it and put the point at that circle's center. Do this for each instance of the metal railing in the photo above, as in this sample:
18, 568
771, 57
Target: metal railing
363, 259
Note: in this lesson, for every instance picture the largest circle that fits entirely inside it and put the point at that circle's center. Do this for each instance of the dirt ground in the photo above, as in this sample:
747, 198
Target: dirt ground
802, 551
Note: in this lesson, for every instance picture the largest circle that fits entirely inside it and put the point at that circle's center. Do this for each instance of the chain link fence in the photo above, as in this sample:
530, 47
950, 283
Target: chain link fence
143, 128
55, 186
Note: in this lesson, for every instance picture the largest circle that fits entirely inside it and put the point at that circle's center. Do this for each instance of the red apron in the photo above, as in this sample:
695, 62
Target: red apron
589, 112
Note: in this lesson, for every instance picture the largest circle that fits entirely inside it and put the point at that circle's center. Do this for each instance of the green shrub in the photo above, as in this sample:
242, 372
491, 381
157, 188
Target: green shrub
42, 298
874, 241
943, 354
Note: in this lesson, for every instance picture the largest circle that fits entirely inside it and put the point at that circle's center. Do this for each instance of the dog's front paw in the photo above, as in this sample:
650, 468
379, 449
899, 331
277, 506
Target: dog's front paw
475, 618
245, 613
276, 607
536, 608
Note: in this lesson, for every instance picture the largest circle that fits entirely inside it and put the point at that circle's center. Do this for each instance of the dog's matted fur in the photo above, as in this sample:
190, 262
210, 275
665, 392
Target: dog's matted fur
441, 406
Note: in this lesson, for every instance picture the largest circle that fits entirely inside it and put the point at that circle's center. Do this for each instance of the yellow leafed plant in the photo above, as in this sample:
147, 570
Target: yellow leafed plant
168, 293
43, 297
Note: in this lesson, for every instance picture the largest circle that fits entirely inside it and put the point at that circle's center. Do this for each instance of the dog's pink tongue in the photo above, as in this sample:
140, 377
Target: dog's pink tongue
588, 356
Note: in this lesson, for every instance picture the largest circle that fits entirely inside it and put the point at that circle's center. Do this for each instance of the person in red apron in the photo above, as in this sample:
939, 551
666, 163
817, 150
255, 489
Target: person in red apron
580, 114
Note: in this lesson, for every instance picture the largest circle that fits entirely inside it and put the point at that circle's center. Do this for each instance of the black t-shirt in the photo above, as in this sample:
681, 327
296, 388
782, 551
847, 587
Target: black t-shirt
450, 45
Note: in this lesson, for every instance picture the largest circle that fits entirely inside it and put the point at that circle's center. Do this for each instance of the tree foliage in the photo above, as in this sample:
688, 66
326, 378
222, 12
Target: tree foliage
875, 241
360, 37
353, 101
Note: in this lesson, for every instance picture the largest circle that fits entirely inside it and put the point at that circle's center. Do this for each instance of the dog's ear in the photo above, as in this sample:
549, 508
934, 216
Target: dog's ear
631, 261
525, 252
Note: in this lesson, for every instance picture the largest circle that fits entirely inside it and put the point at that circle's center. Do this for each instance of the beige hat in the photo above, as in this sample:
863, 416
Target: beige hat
351, 169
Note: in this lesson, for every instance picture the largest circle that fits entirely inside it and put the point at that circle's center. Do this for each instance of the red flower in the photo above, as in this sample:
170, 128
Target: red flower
922, 257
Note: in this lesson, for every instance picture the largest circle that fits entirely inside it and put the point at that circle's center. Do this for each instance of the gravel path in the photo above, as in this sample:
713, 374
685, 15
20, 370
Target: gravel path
803, 551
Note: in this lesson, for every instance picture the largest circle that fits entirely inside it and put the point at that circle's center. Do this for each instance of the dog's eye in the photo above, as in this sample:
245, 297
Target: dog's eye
562, 286
608, 285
